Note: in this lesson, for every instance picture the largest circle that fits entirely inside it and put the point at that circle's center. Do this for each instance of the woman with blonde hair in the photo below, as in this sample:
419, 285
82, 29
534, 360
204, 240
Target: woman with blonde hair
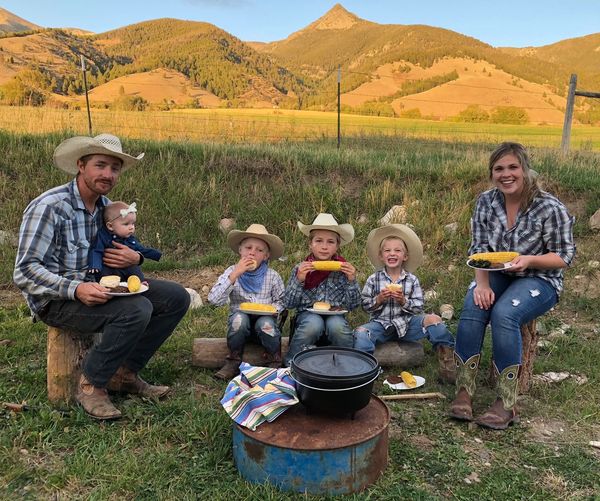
515, 215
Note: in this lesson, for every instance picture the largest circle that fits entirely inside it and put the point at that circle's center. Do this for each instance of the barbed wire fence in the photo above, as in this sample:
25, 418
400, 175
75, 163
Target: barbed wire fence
275, 125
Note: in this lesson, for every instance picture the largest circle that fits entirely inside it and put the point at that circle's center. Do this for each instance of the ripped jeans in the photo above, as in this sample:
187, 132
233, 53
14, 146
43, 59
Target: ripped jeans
518, 301
367, 336
263, 329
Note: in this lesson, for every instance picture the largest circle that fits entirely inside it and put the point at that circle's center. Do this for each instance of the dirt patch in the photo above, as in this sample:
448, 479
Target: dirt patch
546, 430
200, 280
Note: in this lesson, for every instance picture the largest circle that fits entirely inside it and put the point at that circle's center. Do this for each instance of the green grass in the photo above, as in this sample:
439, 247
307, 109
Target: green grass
181, 448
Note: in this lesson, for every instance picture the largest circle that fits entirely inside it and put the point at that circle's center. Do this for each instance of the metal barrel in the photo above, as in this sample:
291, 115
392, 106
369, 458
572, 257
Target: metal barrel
316, 453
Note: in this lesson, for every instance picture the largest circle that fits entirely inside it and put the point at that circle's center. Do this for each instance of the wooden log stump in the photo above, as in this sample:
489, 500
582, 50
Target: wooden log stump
529, 339
210, 353
65, 352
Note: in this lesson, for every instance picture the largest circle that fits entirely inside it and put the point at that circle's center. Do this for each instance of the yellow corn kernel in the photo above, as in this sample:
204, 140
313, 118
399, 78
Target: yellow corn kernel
327, 265
268, 308
409, 379
495, 257
134, 283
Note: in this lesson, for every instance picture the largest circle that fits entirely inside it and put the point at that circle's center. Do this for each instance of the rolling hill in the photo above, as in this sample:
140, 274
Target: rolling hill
10, 23
386, 69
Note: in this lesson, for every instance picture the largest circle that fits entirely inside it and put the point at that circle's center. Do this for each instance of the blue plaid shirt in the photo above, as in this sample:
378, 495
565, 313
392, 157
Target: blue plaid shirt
336, 290
391, 312
271, 291
54, 244
545, 226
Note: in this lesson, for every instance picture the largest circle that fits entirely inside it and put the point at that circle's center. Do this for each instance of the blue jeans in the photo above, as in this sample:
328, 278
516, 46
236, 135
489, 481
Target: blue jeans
372, 333
518, 301
242, 326
311, 326
132, 327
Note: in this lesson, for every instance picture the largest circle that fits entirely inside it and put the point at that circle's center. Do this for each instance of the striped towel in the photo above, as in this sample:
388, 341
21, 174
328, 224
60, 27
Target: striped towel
258, 394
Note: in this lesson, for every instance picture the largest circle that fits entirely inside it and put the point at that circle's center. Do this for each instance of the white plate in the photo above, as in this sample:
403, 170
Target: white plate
259, 312
506, 267
327, 312
143, 288
402, 386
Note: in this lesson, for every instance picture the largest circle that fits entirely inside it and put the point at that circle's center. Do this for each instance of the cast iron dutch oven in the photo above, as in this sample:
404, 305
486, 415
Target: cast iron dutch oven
333, 379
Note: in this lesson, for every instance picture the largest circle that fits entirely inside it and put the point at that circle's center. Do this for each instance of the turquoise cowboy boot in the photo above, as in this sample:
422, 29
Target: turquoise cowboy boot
466, 373
503, 411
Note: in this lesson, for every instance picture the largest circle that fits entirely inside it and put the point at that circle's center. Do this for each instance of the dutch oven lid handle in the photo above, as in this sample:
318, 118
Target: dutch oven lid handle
338, 389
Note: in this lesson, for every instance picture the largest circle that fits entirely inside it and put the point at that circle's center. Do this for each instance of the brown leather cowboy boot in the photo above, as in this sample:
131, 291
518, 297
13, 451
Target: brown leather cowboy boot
461, 408
272, 360
95, 401
231, 367
127, 381
503, 411
447, 367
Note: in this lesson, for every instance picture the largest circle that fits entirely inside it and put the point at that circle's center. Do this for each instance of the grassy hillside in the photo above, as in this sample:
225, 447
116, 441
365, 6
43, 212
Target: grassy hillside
181, 448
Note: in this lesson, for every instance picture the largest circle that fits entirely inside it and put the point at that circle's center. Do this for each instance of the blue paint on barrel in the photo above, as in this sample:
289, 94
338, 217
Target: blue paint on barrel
308, 464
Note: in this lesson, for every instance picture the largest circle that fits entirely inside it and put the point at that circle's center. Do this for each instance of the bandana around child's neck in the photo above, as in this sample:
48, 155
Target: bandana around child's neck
252, 281
315, 277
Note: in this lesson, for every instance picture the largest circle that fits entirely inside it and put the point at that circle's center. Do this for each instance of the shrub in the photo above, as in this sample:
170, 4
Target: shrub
509, 115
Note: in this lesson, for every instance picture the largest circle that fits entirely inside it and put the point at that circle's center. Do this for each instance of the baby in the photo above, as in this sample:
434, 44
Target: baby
119, 226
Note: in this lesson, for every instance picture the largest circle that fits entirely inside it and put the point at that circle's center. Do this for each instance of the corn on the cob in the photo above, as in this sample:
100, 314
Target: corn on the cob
269, 308
327, 265
134, 283
494, 257
409, 379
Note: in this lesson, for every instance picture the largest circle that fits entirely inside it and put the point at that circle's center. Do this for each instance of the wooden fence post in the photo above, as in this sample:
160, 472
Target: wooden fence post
566, 134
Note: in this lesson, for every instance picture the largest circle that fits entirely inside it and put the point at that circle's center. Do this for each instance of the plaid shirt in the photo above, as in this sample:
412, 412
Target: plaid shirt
336, 289
224, 291
391, 312
54, 243
544, 227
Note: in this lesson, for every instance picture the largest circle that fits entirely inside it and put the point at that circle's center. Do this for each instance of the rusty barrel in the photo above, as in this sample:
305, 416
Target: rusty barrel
316, 453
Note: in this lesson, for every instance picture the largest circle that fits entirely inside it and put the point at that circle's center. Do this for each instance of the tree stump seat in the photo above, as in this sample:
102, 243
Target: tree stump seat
529, 339
65, 352
210, 353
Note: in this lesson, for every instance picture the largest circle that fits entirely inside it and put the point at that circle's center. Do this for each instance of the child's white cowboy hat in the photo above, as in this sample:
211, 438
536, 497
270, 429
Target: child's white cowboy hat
327, 222
70, 150
403, 232
235, 237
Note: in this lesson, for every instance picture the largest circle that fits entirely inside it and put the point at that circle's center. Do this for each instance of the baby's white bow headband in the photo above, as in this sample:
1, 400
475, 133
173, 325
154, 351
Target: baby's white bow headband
129, 210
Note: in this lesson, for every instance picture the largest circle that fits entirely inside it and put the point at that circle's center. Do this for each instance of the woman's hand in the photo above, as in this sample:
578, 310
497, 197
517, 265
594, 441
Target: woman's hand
521, 263
483, 296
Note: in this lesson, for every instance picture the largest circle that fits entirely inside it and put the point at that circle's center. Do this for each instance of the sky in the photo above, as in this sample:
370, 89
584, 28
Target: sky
506, 23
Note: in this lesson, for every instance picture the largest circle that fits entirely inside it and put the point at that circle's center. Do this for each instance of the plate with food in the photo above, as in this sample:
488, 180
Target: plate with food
323, 308
404, 381
132, 287
492, 261
258, 309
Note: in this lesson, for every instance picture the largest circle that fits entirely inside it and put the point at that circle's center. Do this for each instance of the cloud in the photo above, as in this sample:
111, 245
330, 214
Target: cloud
230, 4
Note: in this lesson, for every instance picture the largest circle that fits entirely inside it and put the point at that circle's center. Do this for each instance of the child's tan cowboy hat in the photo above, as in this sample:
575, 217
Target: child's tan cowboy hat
70, 150
403, 232
235, 237
327, 222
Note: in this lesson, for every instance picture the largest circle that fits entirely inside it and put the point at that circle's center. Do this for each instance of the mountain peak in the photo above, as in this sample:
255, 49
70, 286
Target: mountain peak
10, 23
337, 18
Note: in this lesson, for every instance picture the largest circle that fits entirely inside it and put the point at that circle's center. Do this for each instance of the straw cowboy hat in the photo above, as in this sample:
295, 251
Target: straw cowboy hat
235, 237
70, 150
327, 222
403, 232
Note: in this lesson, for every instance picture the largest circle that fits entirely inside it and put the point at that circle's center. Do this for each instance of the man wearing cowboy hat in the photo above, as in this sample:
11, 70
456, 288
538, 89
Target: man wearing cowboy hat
51, 267
250, 280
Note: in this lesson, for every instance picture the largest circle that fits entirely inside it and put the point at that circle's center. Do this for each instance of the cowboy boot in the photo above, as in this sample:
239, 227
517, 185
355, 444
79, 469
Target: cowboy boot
127, 381
503, 411
95, 401
466, 372
231, 367
447, 367
273, 360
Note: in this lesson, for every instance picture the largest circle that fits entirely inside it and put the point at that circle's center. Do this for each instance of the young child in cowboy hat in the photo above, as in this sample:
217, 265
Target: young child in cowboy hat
394, 299
250, 280
307, 286
119, 226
